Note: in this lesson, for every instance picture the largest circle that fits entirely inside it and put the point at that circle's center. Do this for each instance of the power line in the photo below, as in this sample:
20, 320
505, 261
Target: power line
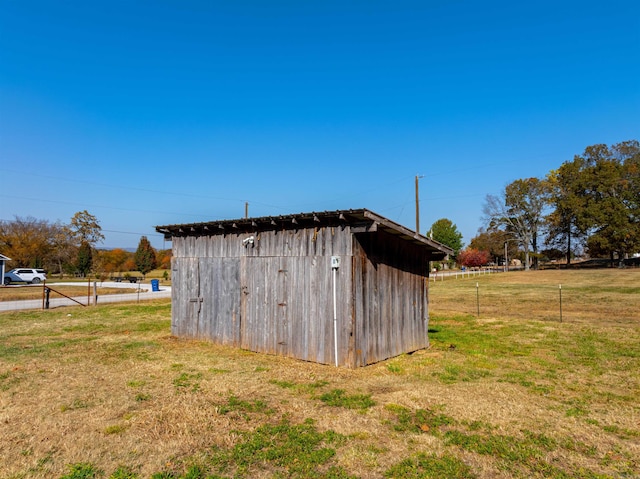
253, 202
133, 233
199, 216
132, 188
85, 205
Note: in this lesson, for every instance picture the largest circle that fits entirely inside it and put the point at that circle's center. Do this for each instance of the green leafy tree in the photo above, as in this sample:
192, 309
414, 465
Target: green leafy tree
612, 199
631, 187
446, 232
596, 197
84, 259
145, 256
567, 229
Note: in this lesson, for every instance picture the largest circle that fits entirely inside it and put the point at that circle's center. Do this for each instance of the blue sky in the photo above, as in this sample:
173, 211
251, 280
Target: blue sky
160, 112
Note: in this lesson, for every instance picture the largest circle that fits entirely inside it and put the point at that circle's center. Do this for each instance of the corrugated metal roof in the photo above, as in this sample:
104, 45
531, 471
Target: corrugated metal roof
360, 220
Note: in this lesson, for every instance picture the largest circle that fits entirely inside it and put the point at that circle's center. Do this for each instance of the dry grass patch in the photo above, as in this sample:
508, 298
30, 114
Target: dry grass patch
108, 391
595, 296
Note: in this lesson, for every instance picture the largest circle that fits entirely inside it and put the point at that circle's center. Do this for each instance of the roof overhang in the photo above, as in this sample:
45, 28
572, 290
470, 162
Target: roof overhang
360, 221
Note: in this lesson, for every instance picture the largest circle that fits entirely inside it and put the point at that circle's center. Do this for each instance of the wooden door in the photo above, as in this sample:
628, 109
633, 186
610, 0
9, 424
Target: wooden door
187, 300
266, 325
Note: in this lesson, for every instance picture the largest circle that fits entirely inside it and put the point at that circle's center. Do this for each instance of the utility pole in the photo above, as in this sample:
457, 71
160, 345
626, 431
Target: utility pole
418, 205
506, 260
506, 264
246, 209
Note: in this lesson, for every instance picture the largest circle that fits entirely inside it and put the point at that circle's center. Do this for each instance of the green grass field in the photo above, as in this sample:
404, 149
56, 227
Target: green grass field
107, 392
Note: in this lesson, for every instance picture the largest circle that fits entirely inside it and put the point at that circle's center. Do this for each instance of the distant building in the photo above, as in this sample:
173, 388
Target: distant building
3, 260
272, 285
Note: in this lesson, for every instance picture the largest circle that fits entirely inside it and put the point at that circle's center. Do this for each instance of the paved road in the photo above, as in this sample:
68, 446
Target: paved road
144, 293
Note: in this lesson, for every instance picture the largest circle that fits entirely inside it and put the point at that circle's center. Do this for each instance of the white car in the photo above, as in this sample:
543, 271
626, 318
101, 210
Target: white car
24, 275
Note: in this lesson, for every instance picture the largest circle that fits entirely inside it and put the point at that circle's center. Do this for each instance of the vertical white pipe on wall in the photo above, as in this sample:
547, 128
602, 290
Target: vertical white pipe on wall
335, 264
335, 317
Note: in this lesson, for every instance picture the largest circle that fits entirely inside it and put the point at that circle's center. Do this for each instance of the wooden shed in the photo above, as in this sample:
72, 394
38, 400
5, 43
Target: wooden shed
348, 288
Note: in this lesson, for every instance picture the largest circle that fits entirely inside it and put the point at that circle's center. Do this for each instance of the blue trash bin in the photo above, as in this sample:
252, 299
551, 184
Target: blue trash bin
155, 285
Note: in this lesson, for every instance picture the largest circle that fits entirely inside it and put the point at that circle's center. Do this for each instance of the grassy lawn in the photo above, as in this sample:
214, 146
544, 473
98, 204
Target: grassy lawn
108, 392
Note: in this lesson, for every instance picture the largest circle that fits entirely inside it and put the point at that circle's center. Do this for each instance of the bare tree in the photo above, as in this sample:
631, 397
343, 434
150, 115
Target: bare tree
519, 212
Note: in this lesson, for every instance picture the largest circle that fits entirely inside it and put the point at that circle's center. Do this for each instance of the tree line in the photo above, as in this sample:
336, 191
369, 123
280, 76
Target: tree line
590, 204
71, 248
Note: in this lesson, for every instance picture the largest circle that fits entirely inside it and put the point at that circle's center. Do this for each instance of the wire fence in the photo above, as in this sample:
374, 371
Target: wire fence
468, 273
535, 295
45, 296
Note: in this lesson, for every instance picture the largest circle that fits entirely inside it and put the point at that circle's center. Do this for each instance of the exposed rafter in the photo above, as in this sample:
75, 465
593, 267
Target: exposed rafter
361, 221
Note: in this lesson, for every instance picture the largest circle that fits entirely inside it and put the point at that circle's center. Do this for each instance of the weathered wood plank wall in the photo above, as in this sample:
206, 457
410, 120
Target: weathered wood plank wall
321, 241
273, 295
390, 315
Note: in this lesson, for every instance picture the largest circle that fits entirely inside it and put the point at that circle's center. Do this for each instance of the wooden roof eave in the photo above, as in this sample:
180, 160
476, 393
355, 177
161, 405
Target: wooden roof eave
359, 221
438, 250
